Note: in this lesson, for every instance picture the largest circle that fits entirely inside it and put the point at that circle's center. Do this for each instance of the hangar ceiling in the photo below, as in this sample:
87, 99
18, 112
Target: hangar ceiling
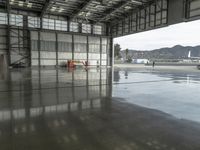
91, 10
117, 17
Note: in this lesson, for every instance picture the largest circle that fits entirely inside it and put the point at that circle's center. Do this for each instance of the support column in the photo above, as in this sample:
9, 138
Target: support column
87, 49
26, 41
111, 52
8, 34
39, 43
39, 48
100, 51
80, 27
92, 29
68, 25
56, 49
72, 47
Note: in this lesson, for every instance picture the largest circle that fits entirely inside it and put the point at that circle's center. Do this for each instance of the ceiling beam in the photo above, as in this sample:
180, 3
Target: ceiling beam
44, 10
81, 8
24, 9
119, 6
143, 6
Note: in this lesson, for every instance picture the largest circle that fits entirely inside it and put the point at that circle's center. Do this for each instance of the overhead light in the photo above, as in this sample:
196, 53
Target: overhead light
53, 9
12, 1
20, 3
137, 2
29, 5
61, 10
81, 13
128, 7
88, 14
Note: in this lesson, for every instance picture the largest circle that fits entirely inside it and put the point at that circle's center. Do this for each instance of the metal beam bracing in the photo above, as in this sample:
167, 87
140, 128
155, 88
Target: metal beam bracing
44, 10
82, 7
117, 7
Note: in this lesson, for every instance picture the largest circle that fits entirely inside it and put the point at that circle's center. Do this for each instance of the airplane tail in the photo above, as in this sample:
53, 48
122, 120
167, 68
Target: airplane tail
189, 54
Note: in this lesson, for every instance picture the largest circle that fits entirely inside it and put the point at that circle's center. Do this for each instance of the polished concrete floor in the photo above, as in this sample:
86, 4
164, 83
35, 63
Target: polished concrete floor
85, 110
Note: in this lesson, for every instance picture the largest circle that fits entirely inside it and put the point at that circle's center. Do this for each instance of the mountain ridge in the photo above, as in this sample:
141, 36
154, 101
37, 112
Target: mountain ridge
175, 52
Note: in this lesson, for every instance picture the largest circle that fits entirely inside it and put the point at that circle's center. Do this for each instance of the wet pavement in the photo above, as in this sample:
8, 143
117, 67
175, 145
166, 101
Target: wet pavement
85, 110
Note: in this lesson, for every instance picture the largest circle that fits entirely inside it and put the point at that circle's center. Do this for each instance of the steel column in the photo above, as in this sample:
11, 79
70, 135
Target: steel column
100, 51
111, 53
8, 34
57, 49
72, 47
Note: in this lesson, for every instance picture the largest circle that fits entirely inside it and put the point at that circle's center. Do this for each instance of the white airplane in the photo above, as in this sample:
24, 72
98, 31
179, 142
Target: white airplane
189, 56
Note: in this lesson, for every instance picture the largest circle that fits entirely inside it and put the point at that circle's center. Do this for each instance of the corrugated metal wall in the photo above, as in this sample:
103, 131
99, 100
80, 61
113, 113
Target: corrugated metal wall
56, 48
94, 50
80, 48
48, 49
64, 48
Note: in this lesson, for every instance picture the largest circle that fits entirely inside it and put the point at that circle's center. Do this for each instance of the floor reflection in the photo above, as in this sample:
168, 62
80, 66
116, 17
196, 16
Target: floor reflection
58, 110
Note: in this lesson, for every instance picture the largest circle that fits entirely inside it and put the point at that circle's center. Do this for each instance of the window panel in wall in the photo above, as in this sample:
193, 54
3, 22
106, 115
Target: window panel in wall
61, 25
48, 23
3, 18
97, 29
51, 24
33, 22
86, 28
74, 26
16, 20
45, 23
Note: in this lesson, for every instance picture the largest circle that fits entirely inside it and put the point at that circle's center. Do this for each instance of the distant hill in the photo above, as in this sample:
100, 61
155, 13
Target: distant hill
176, 52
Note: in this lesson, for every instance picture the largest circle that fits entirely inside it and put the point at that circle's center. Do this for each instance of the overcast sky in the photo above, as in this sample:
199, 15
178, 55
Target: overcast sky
186, 34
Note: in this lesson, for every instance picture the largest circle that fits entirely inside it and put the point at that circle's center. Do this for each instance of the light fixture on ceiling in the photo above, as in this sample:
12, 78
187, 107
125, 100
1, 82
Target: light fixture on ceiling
12, 2
53, 8
136, 2
61, 10
88, 14
20, 3
29, 5
128, 7
81, 13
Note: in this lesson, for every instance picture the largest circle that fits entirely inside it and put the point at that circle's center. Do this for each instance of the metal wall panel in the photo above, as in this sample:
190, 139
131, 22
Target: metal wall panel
49, 54
94, 51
